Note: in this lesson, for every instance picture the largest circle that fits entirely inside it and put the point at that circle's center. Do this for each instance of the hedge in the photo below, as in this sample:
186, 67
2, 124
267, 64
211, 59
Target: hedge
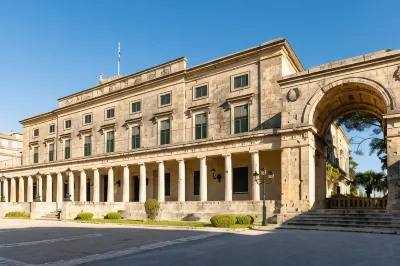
17, 215
152, 208
113, 216
243, 219
84, 216
223, 220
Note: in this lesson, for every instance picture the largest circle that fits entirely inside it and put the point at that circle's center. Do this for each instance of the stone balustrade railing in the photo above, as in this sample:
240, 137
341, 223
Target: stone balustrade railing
356, 203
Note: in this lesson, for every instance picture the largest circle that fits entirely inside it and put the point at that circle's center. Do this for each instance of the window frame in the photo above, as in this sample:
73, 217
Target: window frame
65, 149
233, 181
84, 145
131, 105
167, 176
106, 141
195, 125
35, 157
199, 86
160, 129
163, 94
54, 126
105, 113
242, 117
196, 183
84, 119
65, 124
49, 145
131, 136
238, 75
33, 133
232, 114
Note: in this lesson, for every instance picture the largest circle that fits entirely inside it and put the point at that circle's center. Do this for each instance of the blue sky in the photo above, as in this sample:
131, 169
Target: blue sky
50, 49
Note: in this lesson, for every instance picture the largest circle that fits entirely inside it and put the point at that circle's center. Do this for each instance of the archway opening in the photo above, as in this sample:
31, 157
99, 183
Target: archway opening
349, 119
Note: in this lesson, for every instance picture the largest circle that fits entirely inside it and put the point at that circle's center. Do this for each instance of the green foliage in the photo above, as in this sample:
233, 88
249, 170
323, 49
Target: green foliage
253, 219
352, 175
388, 50
371, 181
243, 219
225, 221
152, 207
20, 215
363, 121
332, 173
113, 216
86, 216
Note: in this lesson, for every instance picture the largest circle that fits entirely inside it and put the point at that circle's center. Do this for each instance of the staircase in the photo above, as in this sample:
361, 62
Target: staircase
53, 216
363, 220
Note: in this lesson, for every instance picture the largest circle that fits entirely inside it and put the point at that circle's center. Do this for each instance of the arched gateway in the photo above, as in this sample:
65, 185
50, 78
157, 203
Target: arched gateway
313, 99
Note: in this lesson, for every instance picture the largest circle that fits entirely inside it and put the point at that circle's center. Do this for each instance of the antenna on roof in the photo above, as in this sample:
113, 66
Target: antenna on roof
119, 57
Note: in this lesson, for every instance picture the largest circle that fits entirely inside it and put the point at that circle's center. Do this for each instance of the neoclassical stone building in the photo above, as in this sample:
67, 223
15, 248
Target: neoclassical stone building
193, 137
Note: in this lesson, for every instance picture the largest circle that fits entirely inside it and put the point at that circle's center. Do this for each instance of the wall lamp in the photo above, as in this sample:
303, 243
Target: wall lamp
218, 177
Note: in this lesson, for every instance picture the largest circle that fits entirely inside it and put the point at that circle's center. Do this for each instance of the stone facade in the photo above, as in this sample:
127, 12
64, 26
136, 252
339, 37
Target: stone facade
10, 149
259, 108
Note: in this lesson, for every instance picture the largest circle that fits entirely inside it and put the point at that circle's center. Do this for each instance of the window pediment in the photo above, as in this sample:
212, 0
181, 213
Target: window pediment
201, 107
159, 115
241, 98
64, 136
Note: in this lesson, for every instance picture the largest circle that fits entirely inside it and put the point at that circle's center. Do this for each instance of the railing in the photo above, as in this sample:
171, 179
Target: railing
356, 203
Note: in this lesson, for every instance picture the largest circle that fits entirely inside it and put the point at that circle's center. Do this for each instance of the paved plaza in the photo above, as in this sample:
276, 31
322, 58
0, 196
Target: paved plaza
65, 243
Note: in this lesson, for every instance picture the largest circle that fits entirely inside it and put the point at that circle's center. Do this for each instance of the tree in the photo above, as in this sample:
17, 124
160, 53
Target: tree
352, 175
361, 121
371, 181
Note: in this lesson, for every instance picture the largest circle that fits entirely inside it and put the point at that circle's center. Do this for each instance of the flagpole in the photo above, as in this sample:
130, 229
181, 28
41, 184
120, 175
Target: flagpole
119, 57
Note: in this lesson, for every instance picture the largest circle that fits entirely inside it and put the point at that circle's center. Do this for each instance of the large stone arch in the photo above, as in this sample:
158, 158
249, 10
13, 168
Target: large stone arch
346, 95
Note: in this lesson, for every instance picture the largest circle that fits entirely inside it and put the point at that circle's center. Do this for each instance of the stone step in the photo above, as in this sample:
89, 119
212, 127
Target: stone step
333, 217
355, 211
305, 223
310, 220
375, 230
49, 219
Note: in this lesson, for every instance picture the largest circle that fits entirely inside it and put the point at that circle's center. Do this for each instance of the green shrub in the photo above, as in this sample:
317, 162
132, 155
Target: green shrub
223, 220
152, 208
17, 215
113, 216
84, 216
253, 219
243, 219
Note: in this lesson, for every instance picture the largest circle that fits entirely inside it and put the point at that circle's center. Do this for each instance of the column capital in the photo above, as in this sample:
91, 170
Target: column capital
201, 157
160, 161
141, 163
254, 152
81, 170
227, 155
124, 165
95, 169
180, 160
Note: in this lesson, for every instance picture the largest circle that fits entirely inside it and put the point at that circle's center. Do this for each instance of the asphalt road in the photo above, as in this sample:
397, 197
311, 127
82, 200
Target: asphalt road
279, 247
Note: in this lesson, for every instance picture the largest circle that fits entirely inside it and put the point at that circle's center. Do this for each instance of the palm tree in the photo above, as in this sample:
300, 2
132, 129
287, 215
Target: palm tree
371, 181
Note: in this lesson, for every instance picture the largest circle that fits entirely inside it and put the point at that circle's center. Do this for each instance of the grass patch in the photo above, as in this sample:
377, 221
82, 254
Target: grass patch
159, 223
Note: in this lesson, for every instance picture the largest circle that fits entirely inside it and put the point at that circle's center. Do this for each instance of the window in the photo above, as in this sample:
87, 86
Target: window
87, 119
87, 146
68, 124
36, 132
165, 132
196, 182
241, 119
135, 137
241, 81
135, 107
201, 126
110, 113
110, 141
67, 149
51, 152
167, 184
200, 92
52, 128
240, 180
165, 99
36, 155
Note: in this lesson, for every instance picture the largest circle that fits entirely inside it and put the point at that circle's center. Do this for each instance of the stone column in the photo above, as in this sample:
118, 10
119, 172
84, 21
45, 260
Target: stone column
181, 181
203, 179
60, 195
142, 181
82, 193
21, 189
228, 177
71, 188
13, 192
96, 185
5, 190
161, 182
49, 188
255, 163
29, 194
39, 187
125, 185
110, 192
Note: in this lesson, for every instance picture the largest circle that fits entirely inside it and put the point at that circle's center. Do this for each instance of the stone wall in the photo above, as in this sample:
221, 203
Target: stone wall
175, 211
14, 207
